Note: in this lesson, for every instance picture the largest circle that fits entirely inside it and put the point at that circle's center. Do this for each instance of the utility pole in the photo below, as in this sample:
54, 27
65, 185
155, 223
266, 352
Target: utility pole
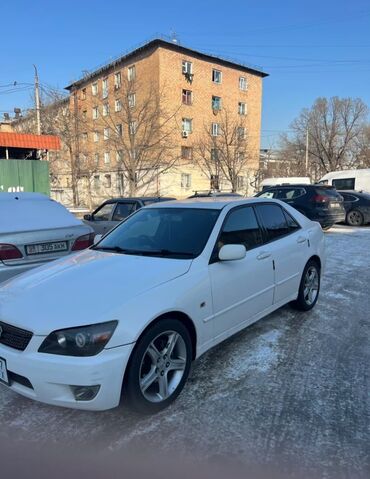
37, 102
307, 151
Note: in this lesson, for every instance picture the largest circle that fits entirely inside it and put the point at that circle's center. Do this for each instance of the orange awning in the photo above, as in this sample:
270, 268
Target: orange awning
22, 140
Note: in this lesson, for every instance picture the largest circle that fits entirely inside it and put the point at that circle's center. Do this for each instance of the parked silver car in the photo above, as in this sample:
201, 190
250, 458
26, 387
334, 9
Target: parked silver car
34, 230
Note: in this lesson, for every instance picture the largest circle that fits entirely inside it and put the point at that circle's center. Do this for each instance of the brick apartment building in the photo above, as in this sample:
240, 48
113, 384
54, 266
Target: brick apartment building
142, 122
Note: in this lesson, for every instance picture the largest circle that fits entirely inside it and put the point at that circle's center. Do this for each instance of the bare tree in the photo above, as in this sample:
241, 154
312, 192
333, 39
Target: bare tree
138, 128
333, 126
222, 151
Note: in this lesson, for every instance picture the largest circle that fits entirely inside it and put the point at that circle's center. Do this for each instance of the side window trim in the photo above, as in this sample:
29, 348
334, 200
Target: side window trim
214, 255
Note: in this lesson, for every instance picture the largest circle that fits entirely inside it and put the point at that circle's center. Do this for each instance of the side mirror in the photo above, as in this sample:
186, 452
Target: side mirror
97, 238
232, 252
88, 217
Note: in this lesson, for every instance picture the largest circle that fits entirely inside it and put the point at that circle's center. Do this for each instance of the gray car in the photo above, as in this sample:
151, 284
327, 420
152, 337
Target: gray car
113, 211
34, 230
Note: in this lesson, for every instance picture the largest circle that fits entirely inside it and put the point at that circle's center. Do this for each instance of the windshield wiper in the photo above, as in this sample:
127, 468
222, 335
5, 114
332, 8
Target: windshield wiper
167, 252
115, 249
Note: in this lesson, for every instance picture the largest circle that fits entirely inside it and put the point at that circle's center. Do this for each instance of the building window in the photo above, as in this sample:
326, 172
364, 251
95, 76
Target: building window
131, 73
185, 180
108, 181
187, 97
215, 182
105, 87
96, 182
241, 133
117, 80
84, 136
243, 85
106, 109
106, 157
132, 127
94, 89
131, 97
187, 125
119, 129
215, 129
95, 112
119, 156
186, 152
240, 182
96, 136
84, 115
96, 159
83, 94
216, 76
187, 67
242, 108
216, 103
106, 134
117, 105
214, 155
240, 156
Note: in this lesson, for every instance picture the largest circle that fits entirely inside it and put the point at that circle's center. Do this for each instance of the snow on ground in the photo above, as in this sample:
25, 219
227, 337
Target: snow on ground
290, 393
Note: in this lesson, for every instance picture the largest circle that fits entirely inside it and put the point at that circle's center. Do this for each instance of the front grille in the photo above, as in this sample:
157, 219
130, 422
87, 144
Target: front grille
14, 337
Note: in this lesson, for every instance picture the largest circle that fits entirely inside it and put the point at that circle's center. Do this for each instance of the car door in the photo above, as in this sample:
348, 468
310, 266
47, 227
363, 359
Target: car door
240, 289
289, 246
101, 219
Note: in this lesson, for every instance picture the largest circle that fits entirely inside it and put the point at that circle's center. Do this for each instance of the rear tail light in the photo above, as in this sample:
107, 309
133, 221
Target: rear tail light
83, 242
9, 251
320, 199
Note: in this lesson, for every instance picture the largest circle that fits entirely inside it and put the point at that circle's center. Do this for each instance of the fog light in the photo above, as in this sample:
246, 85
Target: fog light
85, 393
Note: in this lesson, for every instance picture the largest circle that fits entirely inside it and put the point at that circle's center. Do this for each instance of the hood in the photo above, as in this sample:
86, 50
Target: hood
81, 289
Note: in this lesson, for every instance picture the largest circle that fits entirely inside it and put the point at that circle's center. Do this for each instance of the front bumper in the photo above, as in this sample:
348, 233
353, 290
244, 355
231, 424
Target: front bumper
51, 376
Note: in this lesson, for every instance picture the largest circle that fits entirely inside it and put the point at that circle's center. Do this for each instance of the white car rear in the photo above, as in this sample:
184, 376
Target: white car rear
34, 230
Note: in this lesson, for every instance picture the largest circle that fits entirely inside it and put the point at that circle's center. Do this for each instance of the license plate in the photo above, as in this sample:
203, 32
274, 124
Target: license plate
44, 248
3, 372
334, 204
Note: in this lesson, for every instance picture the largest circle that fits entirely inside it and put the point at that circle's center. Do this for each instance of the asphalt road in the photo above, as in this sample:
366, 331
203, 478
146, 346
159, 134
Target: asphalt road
289, 396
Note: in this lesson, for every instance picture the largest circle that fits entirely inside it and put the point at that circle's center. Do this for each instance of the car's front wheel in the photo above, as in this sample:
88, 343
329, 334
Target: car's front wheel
309, 287
158, 367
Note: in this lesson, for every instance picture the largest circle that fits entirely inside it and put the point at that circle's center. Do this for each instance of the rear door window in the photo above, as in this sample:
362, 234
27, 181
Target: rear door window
104, 213
269, 194
349, 198
290, 193
274, 221
241, 227
123, 210
291, 222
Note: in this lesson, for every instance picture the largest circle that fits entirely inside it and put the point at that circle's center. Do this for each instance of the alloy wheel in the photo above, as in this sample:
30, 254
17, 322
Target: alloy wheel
162, 366
355, 218
311, 285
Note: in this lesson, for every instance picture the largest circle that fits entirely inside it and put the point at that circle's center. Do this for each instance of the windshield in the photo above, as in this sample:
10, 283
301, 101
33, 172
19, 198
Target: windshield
167, 232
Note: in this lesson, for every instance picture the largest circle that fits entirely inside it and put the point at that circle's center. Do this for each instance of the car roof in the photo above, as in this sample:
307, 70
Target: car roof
214, 202
139, 198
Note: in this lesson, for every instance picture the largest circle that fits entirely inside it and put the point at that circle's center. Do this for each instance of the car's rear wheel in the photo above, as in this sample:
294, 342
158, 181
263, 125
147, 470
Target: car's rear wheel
309, 287
354, 218
158, 367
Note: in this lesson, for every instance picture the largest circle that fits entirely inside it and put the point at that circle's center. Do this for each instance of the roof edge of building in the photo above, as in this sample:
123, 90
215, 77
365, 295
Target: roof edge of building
160, 42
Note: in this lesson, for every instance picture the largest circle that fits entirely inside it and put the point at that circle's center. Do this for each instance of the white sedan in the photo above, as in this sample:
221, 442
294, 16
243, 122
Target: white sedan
170, 282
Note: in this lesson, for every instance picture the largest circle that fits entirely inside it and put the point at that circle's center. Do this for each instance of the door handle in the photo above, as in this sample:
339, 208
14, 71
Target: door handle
263, 255
301, 239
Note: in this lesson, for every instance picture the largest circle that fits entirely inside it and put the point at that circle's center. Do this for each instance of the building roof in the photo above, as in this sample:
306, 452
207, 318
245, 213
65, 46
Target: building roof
159, 42
37, 142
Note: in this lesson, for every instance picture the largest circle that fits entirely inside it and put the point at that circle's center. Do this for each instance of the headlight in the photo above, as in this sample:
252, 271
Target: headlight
82, 341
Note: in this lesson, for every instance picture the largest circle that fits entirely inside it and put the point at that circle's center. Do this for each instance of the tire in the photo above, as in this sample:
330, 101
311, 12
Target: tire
161, 357
354, 218
307, 297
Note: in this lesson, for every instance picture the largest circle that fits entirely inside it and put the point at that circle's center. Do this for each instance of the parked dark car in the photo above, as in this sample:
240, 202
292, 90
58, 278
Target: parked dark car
207, 194
112, 211
320, 203
357, 206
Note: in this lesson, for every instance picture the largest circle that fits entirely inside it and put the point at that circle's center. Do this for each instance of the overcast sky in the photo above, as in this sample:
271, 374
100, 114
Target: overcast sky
309, 48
